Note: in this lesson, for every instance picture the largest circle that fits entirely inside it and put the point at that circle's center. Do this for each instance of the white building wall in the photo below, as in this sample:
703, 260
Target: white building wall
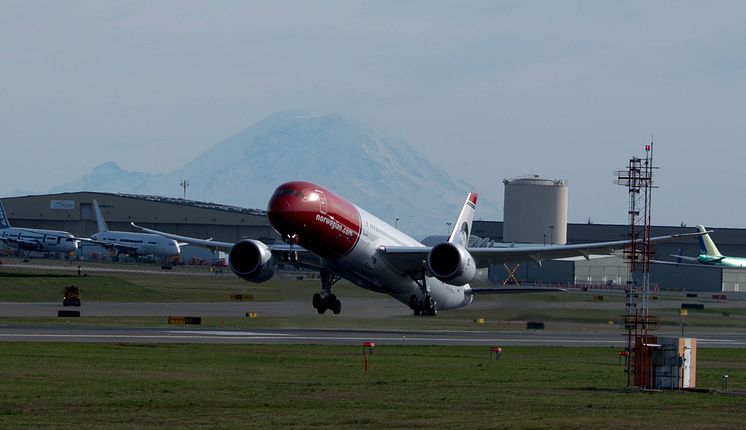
535, 211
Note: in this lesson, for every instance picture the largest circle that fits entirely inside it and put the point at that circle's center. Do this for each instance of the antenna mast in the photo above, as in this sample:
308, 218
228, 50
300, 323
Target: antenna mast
184, 185
638, 178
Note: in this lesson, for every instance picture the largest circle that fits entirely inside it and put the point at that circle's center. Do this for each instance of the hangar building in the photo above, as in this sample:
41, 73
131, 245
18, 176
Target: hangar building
614, 270
73, 212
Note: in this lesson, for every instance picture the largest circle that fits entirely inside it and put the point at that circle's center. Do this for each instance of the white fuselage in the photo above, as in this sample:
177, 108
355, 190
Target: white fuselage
139, 243
39, 240
363, 267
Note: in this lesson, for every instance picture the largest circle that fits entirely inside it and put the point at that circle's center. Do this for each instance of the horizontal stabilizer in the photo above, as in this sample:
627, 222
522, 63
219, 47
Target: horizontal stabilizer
685, 264
683, 257
516, 290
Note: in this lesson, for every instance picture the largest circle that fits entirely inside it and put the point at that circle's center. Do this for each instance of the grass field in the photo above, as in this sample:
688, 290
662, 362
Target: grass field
124, 386
48, 284
119, 386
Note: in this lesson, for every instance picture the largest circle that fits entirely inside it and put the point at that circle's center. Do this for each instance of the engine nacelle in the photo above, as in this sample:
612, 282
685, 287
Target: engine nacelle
451, 263
252, 260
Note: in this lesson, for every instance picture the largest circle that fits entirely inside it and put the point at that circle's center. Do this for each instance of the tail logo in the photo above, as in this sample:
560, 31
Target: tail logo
702, 246
3, 219
463, 236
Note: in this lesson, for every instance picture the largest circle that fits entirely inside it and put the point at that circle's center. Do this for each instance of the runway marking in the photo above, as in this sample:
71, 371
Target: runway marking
225, 333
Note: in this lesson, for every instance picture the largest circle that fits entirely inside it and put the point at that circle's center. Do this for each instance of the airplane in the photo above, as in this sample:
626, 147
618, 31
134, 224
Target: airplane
709, 254
322, 231
34, 239
131, 243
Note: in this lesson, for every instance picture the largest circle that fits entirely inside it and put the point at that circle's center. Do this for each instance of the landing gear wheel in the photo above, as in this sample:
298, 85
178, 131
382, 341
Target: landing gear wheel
429, 304
326, 300
316, 300
337, 307
412, 301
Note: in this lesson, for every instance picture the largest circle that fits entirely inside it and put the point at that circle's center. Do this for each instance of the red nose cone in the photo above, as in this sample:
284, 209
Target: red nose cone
280, 211
277, 205
314, 218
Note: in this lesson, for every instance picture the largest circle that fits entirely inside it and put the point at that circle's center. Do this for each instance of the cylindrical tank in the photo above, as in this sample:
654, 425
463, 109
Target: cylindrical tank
535, 210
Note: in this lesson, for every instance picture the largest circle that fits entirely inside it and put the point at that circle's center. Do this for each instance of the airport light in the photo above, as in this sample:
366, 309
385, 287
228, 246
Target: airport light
367, 349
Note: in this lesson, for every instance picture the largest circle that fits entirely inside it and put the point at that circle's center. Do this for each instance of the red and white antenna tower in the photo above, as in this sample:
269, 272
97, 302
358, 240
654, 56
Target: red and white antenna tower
638, 178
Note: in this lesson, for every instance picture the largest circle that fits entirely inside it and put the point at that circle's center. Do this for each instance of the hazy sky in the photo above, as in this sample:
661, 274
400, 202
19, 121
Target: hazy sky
488, 90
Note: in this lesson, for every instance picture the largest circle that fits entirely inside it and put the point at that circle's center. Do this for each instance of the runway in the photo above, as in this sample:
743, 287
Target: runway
382, 307
335, 336
360, 308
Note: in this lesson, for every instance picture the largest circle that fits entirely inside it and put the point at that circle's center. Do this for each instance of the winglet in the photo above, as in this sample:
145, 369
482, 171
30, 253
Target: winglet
100, 222
462, 227
4, 223
706, 245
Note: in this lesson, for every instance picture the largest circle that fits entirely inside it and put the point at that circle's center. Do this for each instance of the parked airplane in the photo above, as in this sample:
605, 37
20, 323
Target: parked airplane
34, 239
131, 243
327, 233
709, 254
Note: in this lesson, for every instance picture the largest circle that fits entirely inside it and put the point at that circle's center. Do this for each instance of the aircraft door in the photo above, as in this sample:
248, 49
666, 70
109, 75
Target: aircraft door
322, 202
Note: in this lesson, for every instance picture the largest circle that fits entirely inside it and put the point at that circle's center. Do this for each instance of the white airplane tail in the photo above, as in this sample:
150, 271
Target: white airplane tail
706, 245
462, 227
100, 222
4, 223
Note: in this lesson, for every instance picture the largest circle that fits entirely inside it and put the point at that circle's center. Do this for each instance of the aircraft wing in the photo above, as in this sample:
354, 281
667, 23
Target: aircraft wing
303, 258
413, 259
209, 243
94, 241
109, 245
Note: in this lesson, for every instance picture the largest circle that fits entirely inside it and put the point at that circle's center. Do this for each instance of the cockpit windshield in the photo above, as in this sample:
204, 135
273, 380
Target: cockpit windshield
288, 192
310, 196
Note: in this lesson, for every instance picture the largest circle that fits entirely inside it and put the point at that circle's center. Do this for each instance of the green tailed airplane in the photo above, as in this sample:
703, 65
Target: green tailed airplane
709, 254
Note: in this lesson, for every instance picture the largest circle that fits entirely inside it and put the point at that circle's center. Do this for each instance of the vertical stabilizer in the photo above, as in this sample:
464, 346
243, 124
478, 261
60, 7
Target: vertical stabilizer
706, 245
462, 227
100, 222
4, 223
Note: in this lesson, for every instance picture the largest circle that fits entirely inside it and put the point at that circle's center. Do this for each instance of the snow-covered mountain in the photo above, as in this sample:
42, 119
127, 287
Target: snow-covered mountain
379, 173
109, 177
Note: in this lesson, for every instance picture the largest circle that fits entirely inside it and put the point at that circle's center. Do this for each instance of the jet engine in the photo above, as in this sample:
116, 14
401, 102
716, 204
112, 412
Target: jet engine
451, 263
252, 260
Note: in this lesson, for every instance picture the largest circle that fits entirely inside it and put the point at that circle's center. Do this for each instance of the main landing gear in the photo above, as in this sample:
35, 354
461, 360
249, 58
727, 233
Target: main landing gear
326, 300
426, 306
